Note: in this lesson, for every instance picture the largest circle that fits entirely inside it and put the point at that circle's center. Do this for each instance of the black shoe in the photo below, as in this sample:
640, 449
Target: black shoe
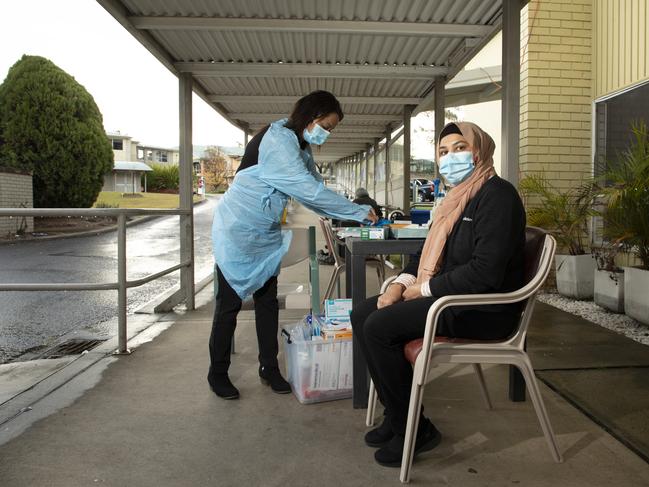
380, 436
427, 438
222, 387
272, 377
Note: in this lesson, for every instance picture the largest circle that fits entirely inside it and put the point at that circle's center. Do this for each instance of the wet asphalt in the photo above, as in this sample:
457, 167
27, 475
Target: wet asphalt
34, 320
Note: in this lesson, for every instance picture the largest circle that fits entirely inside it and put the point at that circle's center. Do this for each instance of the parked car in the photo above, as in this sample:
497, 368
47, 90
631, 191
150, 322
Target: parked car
425, 189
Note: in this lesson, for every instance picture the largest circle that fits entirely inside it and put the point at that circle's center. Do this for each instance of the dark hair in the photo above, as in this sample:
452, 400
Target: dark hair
312, 106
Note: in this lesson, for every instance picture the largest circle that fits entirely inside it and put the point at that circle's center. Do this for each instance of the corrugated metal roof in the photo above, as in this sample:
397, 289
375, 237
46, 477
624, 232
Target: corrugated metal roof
252, 60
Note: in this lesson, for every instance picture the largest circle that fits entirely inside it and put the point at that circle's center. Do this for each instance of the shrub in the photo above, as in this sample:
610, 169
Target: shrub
50, 125
163, 178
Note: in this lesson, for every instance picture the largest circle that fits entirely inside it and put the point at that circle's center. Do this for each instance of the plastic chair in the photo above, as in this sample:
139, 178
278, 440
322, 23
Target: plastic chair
339, 262
431, 350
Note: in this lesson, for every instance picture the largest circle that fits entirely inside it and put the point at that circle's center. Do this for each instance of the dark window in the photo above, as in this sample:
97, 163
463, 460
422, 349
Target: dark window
118, 144
613, 119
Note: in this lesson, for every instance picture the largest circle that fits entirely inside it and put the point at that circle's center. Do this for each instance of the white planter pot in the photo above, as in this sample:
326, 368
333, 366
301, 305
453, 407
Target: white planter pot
636, 294
609, 290
575, 275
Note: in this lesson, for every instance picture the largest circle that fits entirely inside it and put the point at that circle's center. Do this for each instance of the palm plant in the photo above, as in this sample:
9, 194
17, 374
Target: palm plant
563, 213
627, 187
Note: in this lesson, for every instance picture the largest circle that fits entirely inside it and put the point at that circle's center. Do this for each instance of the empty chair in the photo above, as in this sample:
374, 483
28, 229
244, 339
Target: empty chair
339, 262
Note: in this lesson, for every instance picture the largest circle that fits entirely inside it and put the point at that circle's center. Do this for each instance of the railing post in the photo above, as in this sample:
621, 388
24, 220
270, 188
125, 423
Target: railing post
314, 271
121, 281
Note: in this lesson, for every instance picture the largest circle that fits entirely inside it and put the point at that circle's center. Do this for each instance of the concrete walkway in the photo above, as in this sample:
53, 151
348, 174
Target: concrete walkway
149, 419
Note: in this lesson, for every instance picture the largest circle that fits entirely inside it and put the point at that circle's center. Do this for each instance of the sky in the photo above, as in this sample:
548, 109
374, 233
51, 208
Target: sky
136, 94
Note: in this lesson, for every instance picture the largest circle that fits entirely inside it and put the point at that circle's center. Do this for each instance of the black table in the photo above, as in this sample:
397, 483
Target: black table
356, 251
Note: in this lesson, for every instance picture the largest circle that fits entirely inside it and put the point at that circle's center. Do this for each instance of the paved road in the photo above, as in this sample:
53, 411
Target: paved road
34, 319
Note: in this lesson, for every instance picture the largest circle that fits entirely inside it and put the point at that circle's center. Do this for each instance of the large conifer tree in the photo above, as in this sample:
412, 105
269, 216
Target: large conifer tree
50, 125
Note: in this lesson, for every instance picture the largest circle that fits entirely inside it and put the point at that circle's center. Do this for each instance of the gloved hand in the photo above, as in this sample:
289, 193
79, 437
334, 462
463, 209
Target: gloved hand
372, 216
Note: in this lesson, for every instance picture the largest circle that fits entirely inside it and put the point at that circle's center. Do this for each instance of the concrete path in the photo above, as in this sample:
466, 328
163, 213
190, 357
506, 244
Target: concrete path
149, 419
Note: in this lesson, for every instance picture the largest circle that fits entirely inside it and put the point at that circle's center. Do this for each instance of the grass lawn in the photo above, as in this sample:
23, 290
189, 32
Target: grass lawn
146, 200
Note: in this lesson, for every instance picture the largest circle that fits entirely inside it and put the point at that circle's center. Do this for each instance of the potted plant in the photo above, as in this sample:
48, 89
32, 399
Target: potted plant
565, 215
627, 187
609, 277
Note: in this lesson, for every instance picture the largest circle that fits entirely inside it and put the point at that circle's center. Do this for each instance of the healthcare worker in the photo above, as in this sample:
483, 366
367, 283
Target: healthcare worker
248, 241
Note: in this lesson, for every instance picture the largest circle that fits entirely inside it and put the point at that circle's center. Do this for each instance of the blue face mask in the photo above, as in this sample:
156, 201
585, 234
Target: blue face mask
317, 136
456, 166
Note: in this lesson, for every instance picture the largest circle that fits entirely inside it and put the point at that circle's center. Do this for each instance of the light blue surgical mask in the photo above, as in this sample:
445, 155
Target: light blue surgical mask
317, 136
456, 166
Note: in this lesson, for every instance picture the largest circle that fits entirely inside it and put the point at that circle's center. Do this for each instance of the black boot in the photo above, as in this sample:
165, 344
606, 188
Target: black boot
380, 436
272, 377
427, 438
222, 387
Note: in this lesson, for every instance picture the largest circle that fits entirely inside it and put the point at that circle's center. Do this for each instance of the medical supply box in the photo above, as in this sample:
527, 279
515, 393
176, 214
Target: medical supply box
318, 353
319, 370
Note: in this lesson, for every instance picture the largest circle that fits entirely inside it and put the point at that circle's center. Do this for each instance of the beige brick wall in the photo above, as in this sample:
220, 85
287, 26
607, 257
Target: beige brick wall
556, 90
15, 192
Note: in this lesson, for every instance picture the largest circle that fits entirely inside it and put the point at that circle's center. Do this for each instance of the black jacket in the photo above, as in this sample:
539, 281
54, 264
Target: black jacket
366, 200
484, 252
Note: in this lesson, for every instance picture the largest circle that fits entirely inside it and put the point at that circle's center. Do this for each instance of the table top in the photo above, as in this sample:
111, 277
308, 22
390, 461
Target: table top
358, 246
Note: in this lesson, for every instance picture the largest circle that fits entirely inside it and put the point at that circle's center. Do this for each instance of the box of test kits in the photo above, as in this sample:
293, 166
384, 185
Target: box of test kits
319, 370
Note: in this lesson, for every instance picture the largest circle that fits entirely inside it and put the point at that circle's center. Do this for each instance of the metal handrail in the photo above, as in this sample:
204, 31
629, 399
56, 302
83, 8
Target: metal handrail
122, 283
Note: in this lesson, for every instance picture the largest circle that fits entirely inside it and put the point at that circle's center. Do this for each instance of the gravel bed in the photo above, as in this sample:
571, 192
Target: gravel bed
619, 323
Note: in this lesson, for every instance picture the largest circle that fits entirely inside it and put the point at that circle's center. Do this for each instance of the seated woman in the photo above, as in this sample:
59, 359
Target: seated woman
475, 245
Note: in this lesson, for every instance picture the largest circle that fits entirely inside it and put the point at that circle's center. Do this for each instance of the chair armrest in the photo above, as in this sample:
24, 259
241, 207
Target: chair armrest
386, 283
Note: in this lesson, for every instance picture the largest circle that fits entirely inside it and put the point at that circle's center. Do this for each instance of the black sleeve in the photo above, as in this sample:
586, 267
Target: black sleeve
499, 221
413, 263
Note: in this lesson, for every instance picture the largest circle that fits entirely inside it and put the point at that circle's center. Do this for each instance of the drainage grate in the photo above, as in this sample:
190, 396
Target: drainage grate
71, 347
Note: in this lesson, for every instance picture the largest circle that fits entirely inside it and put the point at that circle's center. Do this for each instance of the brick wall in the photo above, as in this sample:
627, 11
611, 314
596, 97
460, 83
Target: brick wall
15, 192
556, 90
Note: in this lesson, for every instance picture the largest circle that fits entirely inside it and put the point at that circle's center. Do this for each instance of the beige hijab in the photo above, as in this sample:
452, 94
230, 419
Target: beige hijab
453, 205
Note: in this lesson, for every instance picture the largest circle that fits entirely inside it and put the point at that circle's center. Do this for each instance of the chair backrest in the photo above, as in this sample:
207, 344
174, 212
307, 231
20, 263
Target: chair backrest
330, 238
539, 255
299, 248
534, 240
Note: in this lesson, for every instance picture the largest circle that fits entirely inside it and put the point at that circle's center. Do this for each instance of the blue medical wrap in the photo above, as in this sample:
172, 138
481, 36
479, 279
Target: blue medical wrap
247, 237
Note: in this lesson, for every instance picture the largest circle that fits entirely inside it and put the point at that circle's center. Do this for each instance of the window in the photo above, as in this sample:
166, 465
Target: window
118, 144
161, 156
613, 119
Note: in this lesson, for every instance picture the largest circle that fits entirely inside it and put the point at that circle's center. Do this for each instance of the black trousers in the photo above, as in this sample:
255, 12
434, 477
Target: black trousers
227, 306
383, 333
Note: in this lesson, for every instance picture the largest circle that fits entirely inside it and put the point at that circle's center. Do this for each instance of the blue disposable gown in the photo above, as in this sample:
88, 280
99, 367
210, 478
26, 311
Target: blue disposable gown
248, 240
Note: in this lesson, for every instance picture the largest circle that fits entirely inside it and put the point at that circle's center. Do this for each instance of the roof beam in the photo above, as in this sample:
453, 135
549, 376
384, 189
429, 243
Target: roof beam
349, 116
300, 70
412, 29
365, 100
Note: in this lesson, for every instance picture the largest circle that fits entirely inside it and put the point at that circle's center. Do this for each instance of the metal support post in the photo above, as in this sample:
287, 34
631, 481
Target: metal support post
122, 337
440, 108
407, 113
186, 192
388, 136
511, 25
375, 160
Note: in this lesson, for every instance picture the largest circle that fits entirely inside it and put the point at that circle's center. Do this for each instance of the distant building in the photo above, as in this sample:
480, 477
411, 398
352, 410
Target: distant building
232, 156
158, 155
126, 175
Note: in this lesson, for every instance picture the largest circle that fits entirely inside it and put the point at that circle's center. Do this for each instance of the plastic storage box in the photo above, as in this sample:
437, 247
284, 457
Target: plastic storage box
319, 371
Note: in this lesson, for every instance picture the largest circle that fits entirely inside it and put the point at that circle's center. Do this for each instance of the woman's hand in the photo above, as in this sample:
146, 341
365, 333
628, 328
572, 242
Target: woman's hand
412, 292
372, 216
391, 295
